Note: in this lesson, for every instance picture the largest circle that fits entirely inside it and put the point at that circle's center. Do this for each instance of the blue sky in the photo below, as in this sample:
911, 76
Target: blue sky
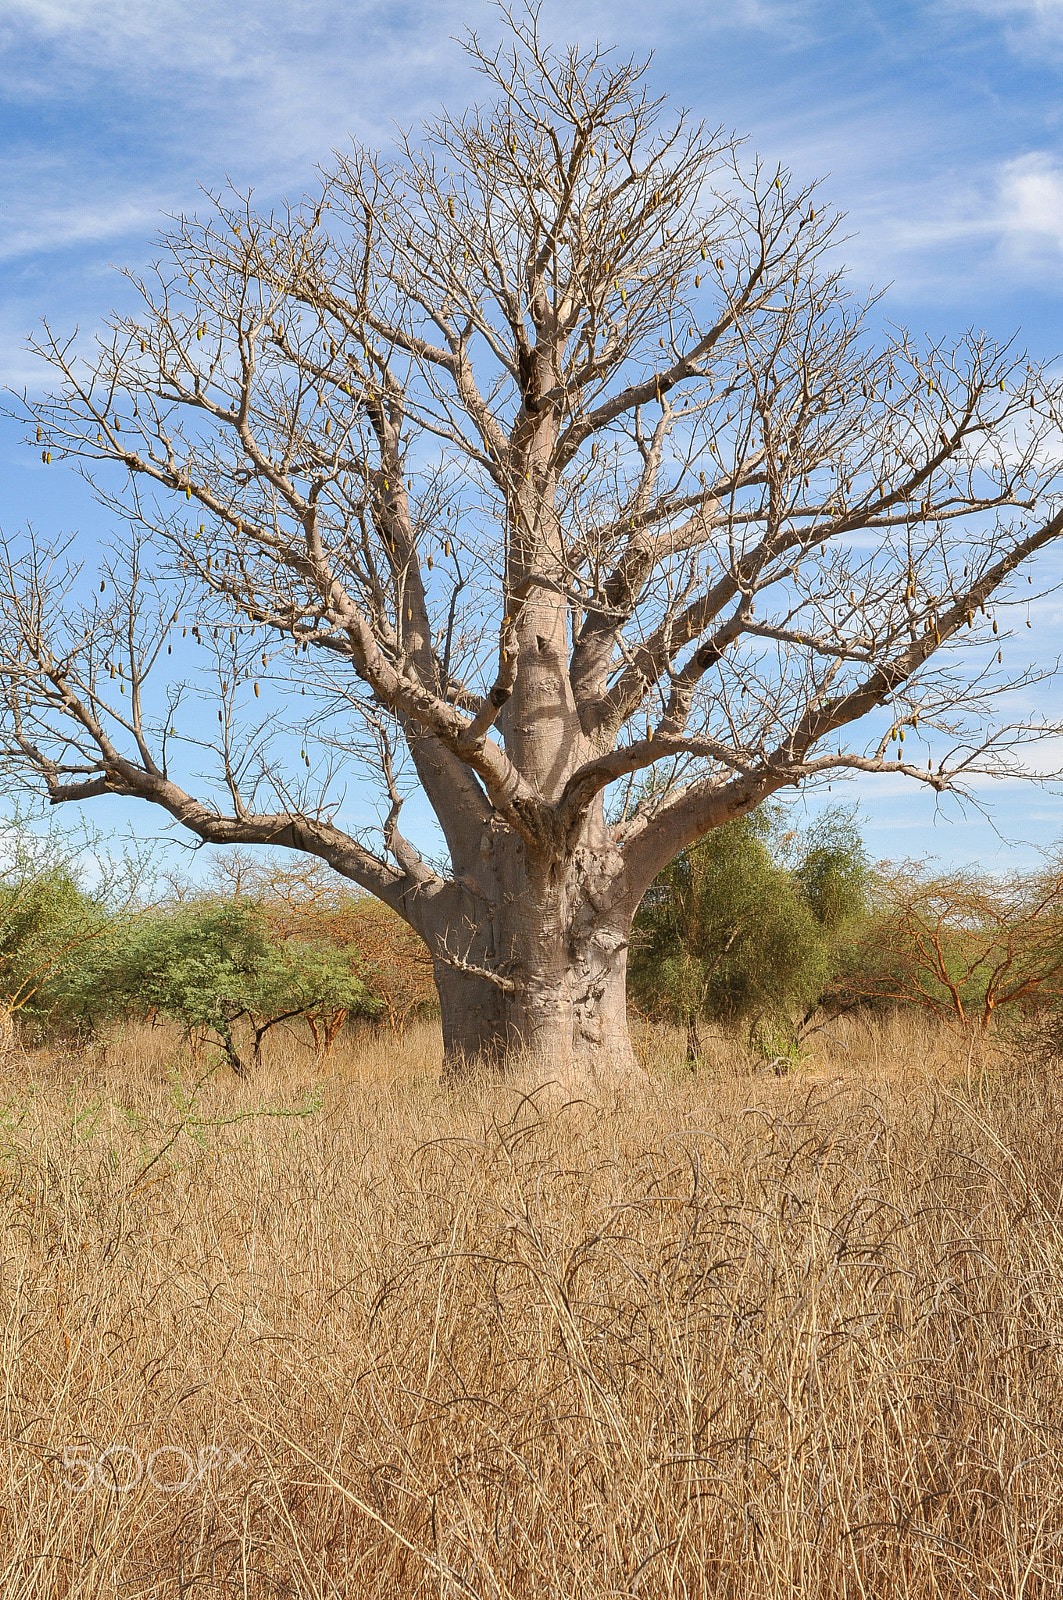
937, 124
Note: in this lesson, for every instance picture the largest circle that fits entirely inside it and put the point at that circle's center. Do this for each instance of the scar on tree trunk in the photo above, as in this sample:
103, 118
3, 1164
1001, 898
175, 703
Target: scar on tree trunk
567, 1030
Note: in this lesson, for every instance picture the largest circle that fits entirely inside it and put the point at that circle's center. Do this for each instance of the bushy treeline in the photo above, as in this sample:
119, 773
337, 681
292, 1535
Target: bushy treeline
79, 950
760, 927
751, 926
776, 931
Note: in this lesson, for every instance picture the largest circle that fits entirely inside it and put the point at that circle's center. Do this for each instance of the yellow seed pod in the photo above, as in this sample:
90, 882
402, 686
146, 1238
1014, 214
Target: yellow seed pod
697, 281
256, 691
450, 204
446, 548
704, 254
188, 491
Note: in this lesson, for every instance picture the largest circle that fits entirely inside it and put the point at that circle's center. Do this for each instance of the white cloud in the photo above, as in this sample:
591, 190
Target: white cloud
256, 87
45, 228
963, 228
1029, 27
1030, 190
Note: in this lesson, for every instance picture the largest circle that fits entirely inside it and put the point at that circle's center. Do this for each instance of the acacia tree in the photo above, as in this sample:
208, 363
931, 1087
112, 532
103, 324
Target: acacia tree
546, 450
962, 946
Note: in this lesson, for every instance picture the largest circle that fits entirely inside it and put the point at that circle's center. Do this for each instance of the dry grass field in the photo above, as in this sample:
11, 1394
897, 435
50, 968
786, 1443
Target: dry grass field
742, 1336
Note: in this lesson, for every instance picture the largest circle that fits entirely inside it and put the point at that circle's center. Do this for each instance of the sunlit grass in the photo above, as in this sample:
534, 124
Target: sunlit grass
743, 1335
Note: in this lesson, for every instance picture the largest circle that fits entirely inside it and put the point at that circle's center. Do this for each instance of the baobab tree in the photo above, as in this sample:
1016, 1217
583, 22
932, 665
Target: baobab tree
550, 464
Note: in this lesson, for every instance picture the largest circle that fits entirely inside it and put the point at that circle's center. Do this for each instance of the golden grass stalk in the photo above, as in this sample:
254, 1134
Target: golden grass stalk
742, 1336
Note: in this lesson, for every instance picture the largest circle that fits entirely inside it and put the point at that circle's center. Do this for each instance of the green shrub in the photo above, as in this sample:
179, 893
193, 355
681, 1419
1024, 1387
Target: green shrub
55, 932
211, 964
746, 926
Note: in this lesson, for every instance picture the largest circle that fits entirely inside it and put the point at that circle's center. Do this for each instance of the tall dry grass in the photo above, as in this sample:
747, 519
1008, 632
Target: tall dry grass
742, 1336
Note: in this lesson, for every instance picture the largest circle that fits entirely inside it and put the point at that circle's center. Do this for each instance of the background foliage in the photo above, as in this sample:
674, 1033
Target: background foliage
760, 930
749, 925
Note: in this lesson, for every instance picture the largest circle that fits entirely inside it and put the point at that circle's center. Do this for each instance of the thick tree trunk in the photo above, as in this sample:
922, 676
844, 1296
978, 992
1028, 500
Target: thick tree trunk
564, 1021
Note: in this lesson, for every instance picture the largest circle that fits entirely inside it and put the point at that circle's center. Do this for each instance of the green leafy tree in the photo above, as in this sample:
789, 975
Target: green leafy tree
746, 925
56, 930
211, 965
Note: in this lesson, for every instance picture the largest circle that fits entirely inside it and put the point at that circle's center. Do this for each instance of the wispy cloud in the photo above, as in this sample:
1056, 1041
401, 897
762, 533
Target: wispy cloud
43, 229
256, 85
1027, 25
1031, 206
998, 225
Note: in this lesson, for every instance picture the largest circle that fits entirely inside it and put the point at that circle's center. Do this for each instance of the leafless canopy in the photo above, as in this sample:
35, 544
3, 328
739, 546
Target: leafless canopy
545, 451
